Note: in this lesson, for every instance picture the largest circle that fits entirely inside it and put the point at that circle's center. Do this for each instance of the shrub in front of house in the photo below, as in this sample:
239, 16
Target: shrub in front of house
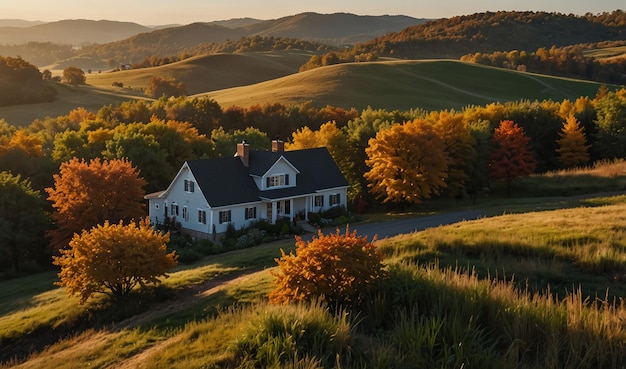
334, 216
189, 250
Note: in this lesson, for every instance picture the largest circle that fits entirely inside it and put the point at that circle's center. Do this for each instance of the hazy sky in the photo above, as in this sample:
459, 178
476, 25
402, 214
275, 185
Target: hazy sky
154, 12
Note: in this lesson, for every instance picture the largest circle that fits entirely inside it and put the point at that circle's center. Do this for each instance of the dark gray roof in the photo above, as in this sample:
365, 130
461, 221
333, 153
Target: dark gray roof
226, 181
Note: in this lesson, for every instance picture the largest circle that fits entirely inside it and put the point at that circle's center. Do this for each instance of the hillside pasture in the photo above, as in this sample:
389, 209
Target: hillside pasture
268, 78
403, 85
607, 53
211, 72
68, 98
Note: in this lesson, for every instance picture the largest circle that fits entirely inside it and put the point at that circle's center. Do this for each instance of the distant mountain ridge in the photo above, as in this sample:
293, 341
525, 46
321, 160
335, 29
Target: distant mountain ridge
337, 28
497, 31
72, 32
329, 28
18, 23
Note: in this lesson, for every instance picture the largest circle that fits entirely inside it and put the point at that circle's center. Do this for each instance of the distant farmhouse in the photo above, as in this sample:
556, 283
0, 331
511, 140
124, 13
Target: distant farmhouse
208, 195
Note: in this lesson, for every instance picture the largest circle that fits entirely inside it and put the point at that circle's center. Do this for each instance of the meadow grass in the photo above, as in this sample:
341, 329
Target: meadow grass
431, 85
209, 72
543, 289
604, 176
268, 78
606, 53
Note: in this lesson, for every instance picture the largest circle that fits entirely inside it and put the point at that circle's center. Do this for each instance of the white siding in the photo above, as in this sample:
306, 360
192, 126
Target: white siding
156, 210
326, 195
192, 200
280, 167
237, 216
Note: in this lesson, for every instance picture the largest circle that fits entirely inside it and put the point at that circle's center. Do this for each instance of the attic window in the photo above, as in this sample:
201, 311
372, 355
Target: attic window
189, 185
278, 180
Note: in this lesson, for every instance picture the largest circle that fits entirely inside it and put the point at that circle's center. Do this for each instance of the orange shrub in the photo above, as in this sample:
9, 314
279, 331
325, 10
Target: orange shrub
335, 268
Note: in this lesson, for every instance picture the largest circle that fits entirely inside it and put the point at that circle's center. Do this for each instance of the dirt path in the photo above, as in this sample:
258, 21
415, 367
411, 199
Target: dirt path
200, 291
90, 340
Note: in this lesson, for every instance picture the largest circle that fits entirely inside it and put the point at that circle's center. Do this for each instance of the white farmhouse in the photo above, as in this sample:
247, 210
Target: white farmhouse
207, 195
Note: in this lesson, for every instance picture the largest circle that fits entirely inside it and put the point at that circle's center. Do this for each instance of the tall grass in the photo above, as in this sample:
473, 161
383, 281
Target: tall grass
513, 291
449, 318
603, 176
563, 249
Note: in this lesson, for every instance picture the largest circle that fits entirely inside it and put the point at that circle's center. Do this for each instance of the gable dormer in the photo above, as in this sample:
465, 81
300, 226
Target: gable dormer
282, 174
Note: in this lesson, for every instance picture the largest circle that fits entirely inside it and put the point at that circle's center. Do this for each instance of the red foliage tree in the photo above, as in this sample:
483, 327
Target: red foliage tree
511, 157
336, 268
87, 194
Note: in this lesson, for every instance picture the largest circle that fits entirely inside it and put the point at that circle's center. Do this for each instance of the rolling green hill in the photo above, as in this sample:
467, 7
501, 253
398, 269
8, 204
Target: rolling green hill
211, 72
433, 85
271, 78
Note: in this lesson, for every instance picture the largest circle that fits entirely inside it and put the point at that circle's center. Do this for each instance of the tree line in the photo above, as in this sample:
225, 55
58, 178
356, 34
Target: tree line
569, 61
22, 83
389, 157
484, 37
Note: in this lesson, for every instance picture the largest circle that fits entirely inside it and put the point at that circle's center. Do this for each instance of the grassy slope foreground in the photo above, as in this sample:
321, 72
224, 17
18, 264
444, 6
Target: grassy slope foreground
403, 85
213, 313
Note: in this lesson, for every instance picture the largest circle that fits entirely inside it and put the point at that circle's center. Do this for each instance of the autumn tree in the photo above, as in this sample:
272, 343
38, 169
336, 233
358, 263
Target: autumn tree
22, 153
358, 132
407, 163
336, 268
479, 172
331, 137
459, 149
573, 149
22, 222
203, 113
74, 76
611, 126
89, 193
159, 86
113, 259
226, 142
511, 157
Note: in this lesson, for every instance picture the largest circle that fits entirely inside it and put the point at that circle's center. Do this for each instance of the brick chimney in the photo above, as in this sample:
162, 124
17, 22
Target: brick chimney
278, 145
243, 152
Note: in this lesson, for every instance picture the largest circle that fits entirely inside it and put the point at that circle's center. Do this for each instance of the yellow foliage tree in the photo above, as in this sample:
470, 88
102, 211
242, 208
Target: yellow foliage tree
336, 268
573, 149
29, 143
459, 148
113, 259
408, 163
303, 138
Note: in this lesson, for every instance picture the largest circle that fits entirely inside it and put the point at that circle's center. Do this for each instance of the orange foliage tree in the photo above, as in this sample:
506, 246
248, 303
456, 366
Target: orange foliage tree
88, 193
511, 157
573, 149
113, 259
336, 268
407, 163
159, 86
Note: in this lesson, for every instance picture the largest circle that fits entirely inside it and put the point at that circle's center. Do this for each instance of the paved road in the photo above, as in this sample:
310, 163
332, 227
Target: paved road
418, 223
414, 224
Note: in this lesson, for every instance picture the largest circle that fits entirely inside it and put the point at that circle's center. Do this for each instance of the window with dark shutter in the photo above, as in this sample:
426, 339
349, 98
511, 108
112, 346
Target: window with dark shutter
286, 179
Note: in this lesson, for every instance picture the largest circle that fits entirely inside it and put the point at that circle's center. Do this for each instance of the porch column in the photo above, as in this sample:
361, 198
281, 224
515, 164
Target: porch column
274, 212
292, 210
